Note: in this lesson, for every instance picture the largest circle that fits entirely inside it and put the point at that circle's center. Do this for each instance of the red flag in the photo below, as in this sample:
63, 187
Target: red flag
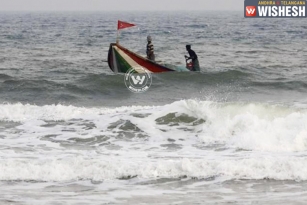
122, 25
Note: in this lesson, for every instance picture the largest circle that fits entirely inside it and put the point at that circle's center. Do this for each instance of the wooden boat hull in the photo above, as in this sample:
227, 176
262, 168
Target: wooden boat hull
121, 59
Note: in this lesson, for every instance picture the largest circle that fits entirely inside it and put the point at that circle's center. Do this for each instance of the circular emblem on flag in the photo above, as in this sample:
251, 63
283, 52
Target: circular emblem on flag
138, 79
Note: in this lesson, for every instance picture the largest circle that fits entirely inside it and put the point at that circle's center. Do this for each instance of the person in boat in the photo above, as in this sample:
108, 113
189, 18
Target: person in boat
193, 57
150, 49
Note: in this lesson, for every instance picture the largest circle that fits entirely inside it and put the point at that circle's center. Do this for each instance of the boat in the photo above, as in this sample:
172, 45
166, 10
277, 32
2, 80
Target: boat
121, 59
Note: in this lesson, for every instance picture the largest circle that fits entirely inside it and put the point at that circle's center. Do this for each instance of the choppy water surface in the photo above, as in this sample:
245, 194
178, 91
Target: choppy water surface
72, 133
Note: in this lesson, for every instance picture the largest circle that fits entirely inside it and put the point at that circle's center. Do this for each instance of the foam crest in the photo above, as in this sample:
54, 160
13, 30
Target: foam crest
246, 126
286, 168
256, 127
21, 113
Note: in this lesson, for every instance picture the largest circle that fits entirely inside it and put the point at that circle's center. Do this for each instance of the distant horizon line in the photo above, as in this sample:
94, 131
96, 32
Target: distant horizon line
115, 10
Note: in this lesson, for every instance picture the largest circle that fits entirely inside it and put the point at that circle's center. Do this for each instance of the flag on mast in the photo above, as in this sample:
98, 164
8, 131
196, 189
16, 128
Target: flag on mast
122, 25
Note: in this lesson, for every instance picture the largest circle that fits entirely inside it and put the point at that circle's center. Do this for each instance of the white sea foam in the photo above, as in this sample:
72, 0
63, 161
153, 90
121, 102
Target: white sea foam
280, 168
260, 127
21, 113
186, 138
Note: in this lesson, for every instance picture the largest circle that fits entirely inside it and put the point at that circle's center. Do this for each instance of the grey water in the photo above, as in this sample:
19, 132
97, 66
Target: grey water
72, 133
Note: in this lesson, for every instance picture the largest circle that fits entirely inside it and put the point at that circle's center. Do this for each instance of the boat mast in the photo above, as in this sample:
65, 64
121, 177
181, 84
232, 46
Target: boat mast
117, 38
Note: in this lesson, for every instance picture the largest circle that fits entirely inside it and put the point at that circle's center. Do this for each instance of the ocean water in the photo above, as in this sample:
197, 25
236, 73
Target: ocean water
72, 133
